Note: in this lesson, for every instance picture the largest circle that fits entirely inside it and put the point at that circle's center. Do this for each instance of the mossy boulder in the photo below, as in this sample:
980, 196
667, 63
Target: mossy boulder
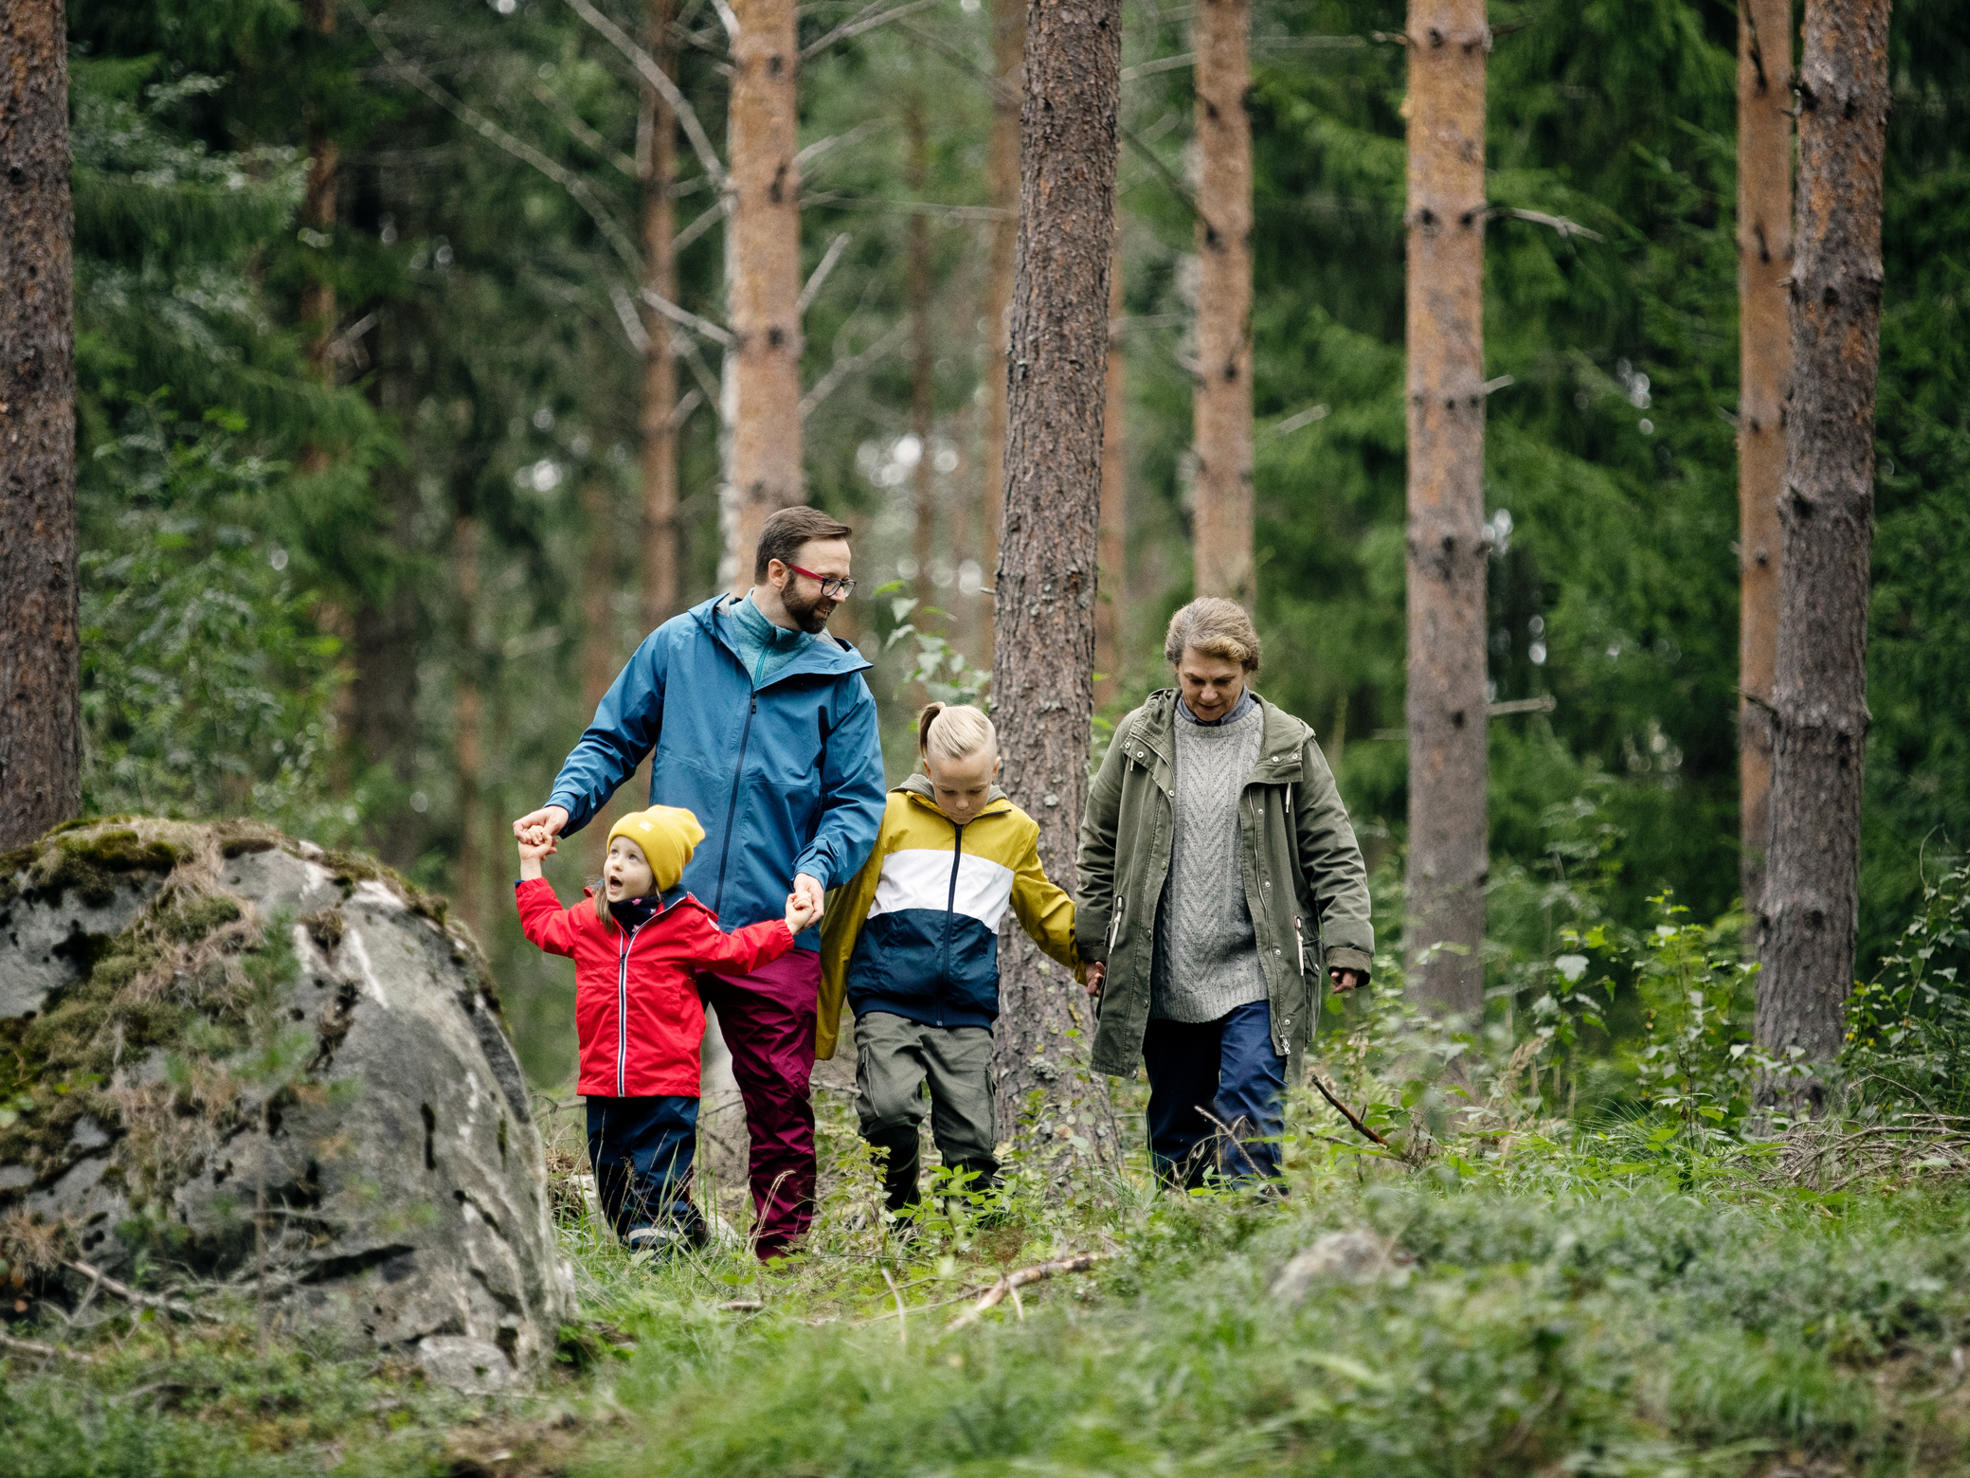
233, 1061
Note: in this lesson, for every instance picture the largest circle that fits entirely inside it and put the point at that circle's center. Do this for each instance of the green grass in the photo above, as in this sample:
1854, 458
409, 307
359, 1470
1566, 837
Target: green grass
1618, 1304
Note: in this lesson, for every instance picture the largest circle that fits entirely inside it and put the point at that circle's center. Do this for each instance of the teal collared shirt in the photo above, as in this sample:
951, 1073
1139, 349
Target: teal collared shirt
764, 647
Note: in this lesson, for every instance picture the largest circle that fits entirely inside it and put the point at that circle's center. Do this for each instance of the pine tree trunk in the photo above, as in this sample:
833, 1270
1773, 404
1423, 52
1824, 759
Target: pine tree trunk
469, 886
656, 420
922, 368
1447, 702
762, 384
318, 213
1819, 690
1222, 394
601, 652
40, 672
1764, 264
1109, 613
1002, 193
1044, 649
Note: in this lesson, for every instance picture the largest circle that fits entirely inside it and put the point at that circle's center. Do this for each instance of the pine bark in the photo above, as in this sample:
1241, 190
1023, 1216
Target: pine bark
1109, 612
1002, 193
1221, 397
656, 420
1819, 698
1447, 45
762, 380
318, 213
468, 749
40, 655
1044, 650
922, 363
1764, 265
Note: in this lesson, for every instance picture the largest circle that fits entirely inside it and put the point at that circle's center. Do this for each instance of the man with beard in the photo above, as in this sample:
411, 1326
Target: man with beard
762, 725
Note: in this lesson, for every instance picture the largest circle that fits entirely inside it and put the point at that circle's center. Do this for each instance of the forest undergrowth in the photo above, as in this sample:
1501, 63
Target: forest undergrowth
1576, 1254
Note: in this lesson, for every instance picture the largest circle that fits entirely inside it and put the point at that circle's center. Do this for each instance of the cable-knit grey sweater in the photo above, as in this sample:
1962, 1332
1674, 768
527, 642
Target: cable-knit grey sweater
1207, 956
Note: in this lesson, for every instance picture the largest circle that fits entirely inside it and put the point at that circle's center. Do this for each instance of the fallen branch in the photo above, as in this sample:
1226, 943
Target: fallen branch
35, 1347
902, 1319
1011, 1282
742, 1306
1346, 1112
136, 1296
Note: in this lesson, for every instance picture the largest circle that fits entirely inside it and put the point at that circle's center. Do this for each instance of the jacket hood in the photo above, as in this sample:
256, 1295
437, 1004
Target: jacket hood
917, 785
826, 656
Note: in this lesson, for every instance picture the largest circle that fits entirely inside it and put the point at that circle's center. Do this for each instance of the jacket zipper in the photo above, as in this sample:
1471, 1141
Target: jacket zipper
622, 1006
950, 908
732, 807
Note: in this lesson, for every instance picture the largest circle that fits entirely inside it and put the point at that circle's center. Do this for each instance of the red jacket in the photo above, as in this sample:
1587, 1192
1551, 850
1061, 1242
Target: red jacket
637, 1011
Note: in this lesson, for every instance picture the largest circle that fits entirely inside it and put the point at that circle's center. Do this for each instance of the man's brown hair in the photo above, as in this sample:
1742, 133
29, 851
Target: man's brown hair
787, 530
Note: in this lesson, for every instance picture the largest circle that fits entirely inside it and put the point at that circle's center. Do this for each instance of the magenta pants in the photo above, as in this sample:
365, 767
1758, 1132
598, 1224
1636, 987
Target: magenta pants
768, 1021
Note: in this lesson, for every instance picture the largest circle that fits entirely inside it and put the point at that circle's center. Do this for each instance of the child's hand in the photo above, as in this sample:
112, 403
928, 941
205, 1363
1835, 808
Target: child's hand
800, 912
535, 843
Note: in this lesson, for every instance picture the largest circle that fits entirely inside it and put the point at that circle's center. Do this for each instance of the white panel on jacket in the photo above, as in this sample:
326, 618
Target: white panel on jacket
921, 878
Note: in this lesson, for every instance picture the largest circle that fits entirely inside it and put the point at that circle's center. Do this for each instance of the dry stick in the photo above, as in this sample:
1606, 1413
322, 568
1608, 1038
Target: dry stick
1080, 1262
1346, 1112
35, 1347
902, 1320
124, 1291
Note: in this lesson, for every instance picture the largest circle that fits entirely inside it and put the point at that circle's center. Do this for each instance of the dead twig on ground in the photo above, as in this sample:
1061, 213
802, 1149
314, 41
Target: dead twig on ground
98, 1278
1019, 1278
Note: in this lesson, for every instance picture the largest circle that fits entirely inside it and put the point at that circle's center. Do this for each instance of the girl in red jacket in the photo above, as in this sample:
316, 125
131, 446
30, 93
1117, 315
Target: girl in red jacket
636, 941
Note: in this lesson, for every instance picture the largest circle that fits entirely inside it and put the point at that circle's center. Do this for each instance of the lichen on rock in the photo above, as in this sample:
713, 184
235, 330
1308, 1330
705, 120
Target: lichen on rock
229, 1056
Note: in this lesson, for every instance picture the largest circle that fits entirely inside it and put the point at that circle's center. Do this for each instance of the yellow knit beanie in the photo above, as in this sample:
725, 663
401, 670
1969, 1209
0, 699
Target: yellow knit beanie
668, 836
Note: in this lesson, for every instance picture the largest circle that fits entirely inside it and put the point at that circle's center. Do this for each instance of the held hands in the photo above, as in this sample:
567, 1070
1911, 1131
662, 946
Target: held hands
535, 843
549, 819
801, 912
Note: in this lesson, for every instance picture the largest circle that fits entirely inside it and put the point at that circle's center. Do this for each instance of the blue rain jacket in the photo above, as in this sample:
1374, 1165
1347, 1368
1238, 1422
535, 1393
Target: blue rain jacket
784, 779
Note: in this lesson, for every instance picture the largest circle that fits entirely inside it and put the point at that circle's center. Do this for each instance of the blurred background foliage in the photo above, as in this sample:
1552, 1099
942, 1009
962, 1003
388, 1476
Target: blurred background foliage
282, 617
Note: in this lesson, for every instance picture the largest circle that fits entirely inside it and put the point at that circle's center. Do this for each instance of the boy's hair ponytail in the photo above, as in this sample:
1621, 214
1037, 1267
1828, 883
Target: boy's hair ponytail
953, 731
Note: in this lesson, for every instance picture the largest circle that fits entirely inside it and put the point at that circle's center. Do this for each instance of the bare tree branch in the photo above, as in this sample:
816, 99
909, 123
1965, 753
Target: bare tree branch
629, 318
1287, 425
647, 68
710, 216
820, 148
727, 19
576, 187
565, 114
1160, 64
821, 271
1001, 90
703, 327
905, 207
861, 23
1539, 218
851, 364
689, 401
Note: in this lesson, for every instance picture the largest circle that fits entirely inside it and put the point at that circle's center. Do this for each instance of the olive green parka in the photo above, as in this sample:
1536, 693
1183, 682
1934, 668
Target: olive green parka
1304, 881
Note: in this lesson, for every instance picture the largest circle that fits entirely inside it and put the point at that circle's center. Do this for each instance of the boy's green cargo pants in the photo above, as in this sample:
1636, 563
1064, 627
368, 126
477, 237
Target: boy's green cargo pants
895, 1060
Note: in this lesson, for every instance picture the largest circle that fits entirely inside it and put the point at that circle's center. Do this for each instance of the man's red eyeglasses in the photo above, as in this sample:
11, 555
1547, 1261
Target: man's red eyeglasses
834, 587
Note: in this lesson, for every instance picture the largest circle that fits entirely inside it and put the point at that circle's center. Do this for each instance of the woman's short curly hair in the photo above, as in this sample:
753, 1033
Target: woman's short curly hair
1216, 627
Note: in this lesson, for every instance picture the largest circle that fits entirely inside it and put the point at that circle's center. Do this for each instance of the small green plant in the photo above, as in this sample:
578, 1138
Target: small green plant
937, 664
1908, 1030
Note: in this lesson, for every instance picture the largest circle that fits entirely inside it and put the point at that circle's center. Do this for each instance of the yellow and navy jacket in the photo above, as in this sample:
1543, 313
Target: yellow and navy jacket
917, 931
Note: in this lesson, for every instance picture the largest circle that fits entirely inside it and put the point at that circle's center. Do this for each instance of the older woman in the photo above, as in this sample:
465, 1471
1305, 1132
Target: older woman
1219, 879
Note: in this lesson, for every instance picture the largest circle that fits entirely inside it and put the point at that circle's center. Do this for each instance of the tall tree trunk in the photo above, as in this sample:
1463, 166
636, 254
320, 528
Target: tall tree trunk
1819, 697
1222, 394
318, 213
657, 416
762, 266
601, 652
1044, 650
470, 888
1109, 612
40, 654
1764, 264
1447, 44
922, 367
1002, 193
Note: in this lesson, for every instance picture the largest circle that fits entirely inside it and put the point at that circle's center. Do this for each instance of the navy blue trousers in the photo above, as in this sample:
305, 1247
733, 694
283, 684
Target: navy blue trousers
1217, 1097
642, 1150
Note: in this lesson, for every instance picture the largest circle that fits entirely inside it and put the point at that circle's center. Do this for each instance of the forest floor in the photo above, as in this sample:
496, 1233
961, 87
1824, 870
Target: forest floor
1541, 1299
